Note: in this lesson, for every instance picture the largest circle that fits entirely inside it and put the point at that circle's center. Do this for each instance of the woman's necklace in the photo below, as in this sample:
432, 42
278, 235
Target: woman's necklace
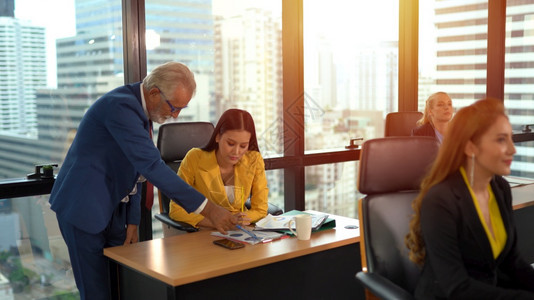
227, 176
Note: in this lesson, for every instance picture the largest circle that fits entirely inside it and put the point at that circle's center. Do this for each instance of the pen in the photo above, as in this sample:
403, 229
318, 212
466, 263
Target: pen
285, 236
248, 232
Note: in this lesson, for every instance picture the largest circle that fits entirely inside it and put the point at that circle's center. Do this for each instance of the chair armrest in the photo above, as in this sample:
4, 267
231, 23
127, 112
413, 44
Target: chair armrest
164, 217
382, 287
272, 209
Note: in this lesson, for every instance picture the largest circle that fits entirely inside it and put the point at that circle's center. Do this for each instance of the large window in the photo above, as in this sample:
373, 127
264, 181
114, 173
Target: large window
350, 70
350, 84
56, 60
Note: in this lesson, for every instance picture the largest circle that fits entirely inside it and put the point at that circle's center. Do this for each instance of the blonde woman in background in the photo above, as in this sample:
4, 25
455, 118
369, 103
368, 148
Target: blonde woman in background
438, 112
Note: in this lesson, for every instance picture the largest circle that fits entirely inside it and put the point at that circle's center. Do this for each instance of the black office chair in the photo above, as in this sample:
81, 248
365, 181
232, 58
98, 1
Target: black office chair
390, 172
174, 141
401, 123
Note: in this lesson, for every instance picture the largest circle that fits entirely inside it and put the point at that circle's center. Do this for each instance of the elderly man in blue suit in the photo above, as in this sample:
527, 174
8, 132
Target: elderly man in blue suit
95, 194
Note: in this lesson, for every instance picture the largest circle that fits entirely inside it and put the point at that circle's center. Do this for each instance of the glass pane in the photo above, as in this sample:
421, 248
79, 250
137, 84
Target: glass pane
350, 70
275, 182
34, 261
331, 188
53, 68
234, 49
519, 79
452, 50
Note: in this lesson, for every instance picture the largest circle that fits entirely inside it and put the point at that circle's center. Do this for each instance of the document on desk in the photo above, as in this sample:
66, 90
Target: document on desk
242, 237
281, 222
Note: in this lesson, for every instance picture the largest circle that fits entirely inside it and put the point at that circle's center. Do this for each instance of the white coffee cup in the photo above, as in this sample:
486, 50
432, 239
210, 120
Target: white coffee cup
303, 225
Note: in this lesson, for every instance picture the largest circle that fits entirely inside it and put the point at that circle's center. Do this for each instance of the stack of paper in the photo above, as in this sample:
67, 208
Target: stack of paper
281, 222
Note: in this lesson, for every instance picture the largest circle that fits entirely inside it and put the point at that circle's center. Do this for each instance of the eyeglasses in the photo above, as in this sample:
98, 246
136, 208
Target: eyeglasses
172, 107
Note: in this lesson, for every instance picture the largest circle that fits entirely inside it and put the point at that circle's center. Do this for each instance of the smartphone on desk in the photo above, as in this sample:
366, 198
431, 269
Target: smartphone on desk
228, 244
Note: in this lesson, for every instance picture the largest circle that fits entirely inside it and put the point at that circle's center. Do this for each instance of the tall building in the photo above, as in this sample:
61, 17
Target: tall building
372, 77
461, 63
364, 80
7, 8
248, 75
519, 79
248, 66
461, 30
22, 72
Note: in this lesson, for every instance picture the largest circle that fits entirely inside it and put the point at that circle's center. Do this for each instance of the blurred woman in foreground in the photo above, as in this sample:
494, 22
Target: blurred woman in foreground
463, 232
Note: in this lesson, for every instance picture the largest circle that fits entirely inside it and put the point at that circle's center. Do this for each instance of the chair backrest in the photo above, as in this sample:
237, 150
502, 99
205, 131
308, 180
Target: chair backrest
401, 123
175, 140
390, 172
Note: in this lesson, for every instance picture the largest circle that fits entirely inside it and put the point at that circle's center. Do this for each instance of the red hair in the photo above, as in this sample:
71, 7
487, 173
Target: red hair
469, 124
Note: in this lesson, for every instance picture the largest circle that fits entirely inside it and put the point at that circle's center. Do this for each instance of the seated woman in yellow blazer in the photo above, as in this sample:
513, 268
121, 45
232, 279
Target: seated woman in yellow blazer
228, 170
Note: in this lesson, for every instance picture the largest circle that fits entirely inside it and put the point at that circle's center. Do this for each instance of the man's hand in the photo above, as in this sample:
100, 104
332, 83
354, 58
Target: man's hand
131, 234
221, 219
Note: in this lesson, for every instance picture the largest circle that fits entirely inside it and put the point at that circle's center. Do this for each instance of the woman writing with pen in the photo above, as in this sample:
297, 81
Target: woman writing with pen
228, 171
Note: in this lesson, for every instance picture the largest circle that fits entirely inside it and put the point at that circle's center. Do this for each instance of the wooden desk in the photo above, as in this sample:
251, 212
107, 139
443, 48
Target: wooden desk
191, 266
523, 196
523, 203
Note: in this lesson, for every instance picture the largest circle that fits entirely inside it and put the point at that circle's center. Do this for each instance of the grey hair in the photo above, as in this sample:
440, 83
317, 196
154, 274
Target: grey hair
168, 76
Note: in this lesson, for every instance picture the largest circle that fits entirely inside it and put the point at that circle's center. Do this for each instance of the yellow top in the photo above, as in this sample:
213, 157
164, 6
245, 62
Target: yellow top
497, 243
201, 170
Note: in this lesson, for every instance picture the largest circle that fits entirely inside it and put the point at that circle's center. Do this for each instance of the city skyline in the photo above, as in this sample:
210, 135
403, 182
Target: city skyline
333, 81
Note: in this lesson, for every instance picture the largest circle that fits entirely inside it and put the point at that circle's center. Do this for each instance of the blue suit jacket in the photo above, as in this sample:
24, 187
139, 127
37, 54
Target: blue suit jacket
111, 149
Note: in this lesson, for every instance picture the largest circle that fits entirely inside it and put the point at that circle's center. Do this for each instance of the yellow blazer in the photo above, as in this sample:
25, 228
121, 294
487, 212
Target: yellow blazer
201, 170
